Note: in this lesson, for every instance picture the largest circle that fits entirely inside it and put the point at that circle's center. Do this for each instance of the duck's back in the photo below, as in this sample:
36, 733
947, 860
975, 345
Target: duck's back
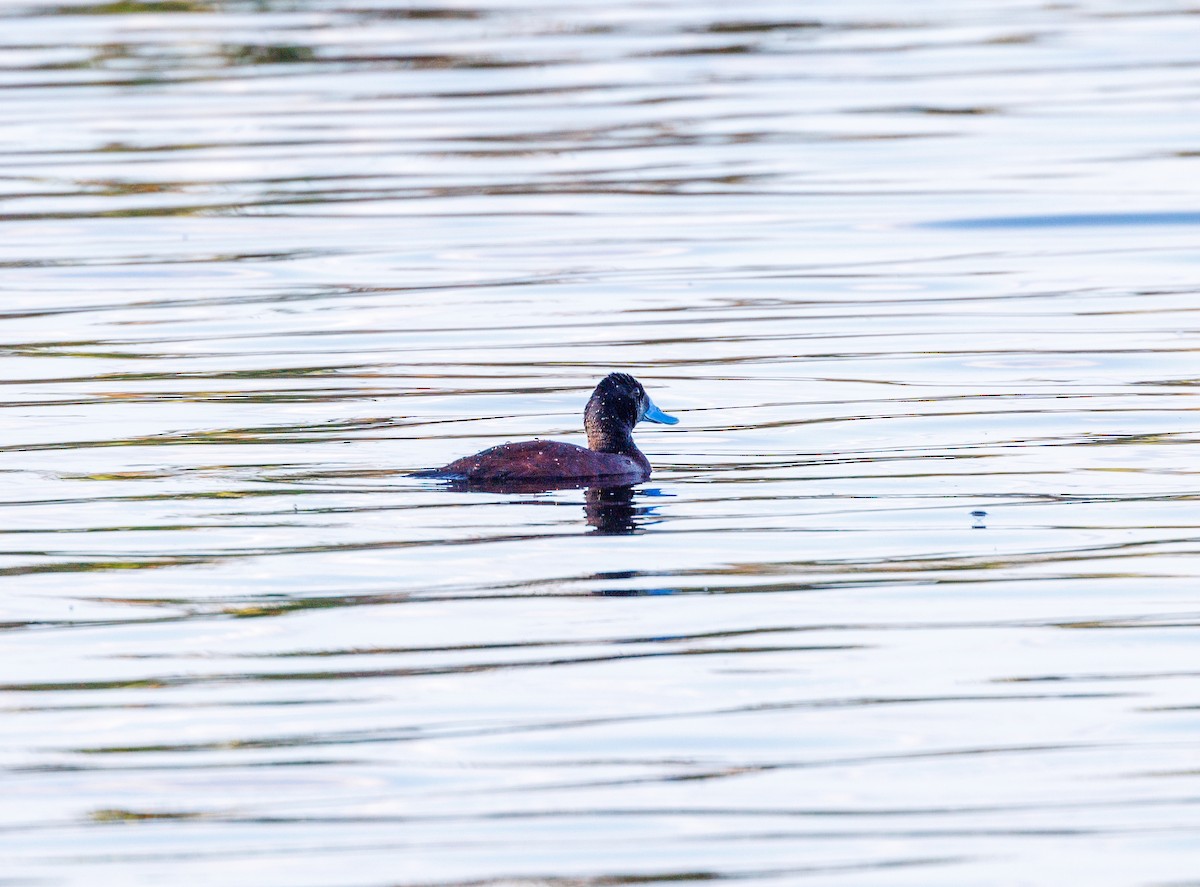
534, 460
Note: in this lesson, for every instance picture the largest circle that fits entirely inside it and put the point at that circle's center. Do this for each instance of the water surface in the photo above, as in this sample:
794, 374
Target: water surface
909, 597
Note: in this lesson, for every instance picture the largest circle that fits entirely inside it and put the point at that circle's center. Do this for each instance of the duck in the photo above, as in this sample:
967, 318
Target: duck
611, 457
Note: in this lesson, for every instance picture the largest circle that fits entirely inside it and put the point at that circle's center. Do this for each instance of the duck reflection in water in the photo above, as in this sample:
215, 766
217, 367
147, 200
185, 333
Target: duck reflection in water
612, 512
610, 459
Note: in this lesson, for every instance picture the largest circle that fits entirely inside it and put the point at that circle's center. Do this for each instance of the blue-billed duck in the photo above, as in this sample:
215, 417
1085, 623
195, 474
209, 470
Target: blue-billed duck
611, 457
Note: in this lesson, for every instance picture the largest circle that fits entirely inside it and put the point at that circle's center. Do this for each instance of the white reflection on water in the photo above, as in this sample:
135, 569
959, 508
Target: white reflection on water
910, 598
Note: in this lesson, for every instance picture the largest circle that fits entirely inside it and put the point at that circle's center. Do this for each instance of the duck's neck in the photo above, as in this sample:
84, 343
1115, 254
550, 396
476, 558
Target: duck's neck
606, 436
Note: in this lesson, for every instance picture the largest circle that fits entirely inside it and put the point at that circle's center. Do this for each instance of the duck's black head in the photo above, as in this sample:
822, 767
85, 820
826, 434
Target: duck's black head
619, 403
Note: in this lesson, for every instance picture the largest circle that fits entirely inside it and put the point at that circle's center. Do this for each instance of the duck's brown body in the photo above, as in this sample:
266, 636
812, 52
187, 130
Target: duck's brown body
618, 403
540, 460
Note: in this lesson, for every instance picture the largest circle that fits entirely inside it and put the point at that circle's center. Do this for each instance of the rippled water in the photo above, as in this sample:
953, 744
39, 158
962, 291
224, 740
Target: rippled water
911, 597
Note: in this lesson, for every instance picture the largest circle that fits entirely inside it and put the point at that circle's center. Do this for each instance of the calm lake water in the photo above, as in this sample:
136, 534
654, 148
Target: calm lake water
911, 598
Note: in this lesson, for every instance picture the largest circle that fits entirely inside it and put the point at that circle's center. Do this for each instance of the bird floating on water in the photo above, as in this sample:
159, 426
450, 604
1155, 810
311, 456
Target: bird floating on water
611, 457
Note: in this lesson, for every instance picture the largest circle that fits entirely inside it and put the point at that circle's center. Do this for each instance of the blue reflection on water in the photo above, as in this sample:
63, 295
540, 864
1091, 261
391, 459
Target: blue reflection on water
1071, 220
